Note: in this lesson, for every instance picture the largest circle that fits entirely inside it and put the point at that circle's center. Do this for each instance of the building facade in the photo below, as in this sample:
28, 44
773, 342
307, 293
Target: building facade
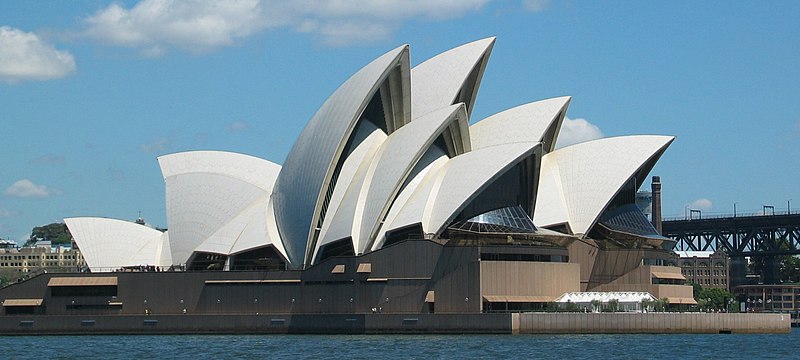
705, 268
32, 259
771, 298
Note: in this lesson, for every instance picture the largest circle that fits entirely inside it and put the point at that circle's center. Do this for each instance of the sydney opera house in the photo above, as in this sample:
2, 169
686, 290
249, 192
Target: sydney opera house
391, 200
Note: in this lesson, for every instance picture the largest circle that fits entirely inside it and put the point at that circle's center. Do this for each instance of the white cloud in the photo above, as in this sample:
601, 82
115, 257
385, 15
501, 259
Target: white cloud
24, 56
701, 204
576, 131
26, 188
536, 5
7, 213
156, 145
237, 126
154, 26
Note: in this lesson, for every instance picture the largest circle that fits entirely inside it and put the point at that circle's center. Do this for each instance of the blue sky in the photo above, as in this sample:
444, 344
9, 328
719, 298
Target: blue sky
92, 92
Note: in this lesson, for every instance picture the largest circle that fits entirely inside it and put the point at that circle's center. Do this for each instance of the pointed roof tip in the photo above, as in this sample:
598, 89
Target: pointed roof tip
485, 43
665, 139
489, 42
401, 48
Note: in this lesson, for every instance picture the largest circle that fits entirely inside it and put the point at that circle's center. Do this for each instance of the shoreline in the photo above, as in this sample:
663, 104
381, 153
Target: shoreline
507, 323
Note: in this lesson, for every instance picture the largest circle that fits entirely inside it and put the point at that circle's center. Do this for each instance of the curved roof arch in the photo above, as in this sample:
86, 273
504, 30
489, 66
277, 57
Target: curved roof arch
451, 77
448, 190
537, 121
311, 167
250, 169
253, 228
206, 191
350, 179
109, 244
577, 182
433, 160
368, 198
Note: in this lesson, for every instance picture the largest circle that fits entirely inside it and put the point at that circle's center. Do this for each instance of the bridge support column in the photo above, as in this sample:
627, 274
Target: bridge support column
738, 271
772, 272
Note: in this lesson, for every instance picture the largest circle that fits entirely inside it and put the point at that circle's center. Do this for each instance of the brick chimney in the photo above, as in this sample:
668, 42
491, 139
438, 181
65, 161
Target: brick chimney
656, 190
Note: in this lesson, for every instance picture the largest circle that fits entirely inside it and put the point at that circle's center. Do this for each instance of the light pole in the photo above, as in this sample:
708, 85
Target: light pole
734, 209
788, 206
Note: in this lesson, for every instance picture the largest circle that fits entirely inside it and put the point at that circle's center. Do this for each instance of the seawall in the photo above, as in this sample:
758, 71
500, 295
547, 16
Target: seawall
590, 323
526, 323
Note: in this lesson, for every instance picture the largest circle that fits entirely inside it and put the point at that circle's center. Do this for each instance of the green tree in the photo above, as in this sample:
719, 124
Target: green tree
551, 306
660, 304
646, 304
57, 233
696, 289
571, 306
613, 305
9, 276
596, 304
715, 299
783, 268
790, 269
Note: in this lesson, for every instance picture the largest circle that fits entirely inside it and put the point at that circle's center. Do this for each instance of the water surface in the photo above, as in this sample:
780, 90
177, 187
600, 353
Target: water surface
683, 346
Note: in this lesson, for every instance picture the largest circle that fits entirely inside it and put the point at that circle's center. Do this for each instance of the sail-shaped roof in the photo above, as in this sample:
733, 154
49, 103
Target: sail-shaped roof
312, 167
110, 244
207, 193
451, 77
577, 182
537, 121
445, 192
369, 197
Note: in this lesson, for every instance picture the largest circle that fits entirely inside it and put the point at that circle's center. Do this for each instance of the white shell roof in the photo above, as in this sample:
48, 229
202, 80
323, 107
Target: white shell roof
385, 179
379, 180
206, 191
250, 169
529, 122
307, 171
577, 182
253, 228
436, 82
431, 161
444, 193
350, 177
109, 244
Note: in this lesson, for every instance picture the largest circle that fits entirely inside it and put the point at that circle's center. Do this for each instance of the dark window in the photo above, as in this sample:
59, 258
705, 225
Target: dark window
523, 257
110, 290
343, 247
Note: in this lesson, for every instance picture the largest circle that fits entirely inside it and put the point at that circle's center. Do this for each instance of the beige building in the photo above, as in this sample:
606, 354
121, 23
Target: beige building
706, 268
30, 259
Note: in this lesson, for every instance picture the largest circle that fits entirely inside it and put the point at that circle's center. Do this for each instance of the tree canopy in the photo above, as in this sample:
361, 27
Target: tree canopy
715, 298
56, 233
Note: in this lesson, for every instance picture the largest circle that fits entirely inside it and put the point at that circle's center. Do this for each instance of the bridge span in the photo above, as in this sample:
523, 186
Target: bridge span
768, 235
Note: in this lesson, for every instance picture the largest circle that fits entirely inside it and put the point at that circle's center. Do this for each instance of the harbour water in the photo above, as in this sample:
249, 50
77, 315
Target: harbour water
683, 346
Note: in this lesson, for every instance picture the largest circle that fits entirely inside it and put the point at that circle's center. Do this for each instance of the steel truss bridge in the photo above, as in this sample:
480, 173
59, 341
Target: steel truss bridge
739, 236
